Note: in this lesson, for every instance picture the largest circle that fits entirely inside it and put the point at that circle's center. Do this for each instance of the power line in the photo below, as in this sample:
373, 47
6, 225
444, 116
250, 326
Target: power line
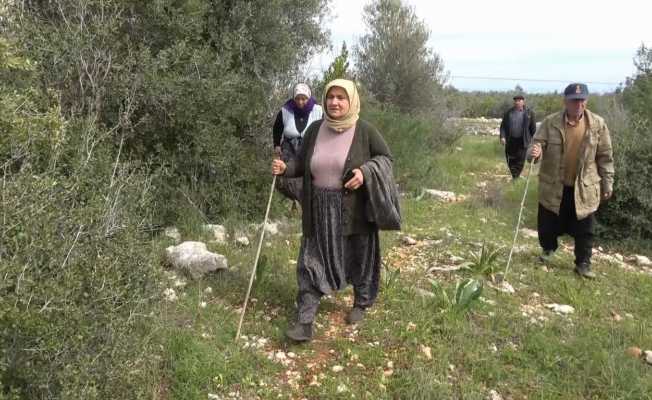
496, 78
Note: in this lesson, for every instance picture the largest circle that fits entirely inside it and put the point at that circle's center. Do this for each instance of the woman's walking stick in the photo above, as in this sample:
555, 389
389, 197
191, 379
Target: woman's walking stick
253, 270
518, 223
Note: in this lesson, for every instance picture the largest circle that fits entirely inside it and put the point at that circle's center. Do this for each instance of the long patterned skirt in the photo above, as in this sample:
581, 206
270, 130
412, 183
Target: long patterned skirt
328, 260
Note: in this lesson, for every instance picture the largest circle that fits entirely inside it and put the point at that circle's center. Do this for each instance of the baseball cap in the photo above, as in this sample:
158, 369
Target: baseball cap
576, 91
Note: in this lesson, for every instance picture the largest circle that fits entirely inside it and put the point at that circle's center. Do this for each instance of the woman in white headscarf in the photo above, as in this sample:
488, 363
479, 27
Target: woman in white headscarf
340, 243
291, 123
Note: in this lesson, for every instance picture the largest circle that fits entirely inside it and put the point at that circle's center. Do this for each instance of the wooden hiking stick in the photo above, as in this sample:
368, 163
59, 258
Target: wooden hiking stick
518, 223
253, 270
260, 246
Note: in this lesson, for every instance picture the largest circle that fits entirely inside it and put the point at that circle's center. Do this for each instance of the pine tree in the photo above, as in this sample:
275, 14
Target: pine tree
339, 68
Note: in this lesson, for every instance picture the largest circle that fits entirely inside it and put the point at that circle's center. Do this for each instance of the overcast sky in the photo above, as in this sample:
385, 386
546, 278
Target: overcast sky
556, 40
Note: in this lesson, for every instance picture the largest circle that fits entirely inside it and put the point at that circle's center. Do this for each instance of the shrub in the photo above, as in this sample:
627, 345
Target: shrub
75, 267
627, 217
414, 140
189, 85
129, 114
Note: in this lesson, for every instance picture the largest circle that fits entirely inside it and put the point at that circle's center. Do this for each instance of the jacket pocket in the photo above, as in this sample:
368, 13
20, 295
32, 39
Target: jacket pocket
554, 149
590, 194
554, 139
591, 178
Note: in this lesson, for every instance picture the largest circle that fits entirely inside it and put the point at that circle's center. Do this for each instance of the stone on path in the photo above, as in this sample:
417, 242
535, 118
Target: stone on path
504, 287
424, 293
427, 351
409, 241
441, 195
529, 233
648, 356
218, 232
242, 241
194, 258
562, 309
272, 228
456, 259
643, 261
494, 395
445, 268
170, 295
173, 233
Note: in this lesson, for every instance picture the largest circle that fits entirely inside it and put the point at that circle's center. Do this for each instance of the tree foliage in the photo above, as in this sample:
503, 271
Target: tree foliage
637, 94
629, 213
117, 116
394, 61
184, 85
339, 69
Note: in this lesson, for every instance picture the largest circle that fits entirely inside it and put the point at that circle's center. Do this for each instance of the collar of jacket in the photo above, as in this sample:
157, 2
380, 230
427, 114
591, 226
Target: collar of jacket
559, 122
526, 110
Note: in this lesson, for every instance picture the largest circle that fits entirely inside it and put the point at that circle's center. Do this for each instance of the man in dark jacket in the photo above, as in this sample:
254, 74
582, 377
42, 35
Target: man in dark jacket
516, 131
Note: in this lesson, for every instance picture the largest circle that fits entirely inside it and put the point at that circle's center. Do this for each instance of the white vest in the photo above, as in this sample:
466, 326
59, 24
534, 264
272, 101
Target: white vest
290, 130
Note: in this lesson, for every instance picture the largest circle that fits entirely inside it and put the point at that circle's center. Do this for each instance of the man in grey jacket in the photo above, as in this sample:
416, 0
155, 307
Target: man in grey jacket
516, 131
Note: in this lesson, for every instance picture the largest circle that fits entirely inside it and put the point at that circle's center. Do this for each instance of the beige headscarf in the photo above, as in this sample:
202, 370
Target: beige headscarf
353, 115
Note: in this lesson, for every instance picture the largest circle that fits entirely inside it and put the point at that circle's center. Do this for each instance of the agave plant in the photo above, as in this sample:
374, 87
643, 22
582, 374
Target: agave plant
484, 260
465, 293
438, 289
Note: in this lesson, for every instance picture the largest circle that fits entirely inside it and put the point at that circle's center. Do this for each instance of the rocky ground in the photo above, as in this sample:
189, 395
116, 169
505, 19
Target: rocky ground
537, 332
476, 126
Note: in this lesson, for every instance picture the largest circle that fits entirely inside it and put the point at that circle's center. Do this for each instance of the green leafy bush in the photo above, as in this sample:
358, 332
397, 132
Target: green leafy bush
414, 140
628, 215
190, 87
77, 278
128, 114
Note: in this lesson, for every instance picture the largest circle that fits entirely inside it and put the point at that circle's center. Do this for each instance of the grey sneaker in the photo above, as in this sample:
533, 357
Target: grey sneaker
355, 315
584, 270
300, 332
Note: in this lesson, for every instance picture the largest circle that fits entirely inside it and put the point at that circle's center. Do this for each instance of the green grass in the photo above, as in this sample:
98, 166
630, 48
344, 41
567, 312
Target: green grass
492, 346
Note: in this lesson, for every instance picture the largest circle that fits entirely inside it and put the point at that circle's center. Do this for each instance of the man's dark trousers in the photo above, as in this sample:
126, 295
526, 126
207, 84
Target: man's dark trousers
551, 226
515, 154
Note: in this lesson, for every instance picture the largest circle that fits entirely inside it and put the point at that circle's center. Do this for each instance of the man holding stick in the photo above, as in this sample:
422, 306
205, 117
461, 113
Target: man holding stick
576, 175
